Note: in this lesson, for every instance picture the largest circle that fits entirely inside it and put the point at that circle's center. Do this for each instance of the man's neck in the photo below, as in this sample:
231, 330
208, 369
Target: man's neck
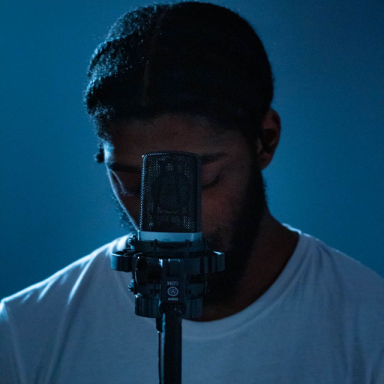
271, 251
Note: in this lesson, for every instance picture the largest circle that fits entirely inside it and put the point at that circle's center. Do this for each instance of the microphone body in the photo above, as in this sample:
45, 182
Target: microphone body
169, 258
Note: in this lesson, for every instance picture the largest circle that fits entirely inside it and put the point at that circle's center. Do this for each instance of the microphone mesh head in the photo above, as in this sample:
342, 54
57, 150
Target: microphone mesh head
171, 192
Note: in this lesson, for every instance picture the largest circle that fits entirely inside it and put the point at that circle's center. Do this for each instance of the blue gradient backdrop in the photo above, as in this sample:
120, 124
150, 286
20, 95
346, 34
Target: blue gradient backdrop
326, 178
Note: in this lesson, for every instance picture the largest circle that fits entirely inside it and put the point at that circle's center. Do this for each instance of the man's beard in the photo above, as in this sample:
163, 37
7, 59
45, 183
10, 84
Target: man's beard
125, 220
244, 228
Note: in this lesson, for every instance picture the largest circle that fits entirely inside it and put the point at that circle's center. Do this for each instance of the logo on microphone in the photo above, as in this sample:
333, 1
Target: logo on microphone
172, 291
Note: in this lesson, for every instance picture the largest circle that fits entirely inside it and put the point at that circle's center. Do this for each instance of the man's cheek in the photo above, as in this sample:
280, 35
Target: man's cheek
216, 221
132, 206
212, 215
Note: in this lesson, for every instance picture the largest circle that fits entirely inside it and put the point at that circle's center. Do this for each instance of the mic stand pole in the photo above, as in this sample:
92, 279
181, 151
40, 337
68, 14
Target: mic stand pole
169, 334
172, 304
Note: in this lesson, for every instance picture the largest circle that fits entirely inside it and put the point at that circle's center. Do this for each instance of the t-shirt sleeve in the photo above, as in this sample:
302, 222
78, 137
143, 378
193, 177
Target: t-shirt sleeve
8, 364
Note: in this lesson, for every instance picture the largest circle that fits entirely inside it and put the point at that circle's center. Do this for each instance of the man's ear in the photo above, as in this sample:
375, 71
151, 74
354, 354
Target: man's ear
99, 156
270, 136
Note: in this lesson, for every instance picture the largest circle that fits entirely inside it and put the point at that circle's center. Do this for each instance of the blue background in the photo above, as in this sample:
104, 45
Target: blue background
326, 178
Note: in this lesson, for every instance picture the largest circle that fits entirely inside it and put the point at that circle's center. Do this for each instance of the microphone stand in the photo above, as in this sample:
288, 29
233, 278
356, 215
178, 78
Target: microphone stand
169, 282
169, 342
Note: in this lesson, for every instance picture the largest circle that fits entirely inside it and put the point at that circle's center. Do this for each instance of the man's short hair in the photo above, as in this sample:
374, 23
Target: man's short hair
194, 58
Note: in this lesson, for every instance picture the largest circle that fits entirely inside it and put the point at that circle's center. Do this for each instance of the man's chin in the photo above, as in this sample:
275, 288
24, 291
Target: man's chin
223, 286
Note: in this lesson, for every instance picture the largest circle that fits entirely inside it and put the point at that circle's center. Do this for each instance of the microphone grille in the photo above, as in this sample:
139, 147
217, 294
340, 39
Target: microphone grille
171, 192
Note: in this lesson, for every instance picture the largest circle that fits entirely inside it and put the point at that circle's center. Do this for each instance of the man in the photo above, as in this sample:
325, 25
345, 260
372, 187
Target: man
195, 77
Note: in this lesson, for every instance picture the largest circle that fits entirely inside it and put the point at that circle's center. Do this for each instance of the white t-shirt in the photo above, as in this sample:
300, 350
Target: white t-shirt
321, 322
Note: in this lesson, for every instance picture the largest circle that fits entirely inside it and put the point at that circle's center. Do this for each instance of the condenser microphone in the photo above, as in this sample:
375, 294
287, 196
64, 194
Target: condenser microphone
170, 197
169, 259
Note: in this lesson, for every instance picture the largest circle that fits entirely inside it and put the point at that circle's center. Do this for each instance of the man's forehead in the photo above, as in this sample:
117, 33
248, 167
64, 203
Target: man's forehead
171, 123
169, 132
124, 150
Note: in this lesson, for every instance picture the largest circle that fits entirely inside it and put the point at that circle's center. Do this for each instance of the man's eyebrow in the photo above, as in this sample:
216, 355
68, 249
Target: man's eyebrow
118, 167
206, 158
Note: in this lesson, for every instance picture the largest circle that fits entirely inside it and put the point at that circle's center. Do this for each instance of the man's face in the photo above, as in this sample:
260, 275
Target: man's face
232, 188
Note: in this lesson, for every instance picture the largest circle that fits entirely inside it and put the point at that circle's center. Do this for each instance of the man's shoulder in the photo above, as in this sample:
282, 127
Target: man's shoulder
62, 284
346, 268
343, 276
